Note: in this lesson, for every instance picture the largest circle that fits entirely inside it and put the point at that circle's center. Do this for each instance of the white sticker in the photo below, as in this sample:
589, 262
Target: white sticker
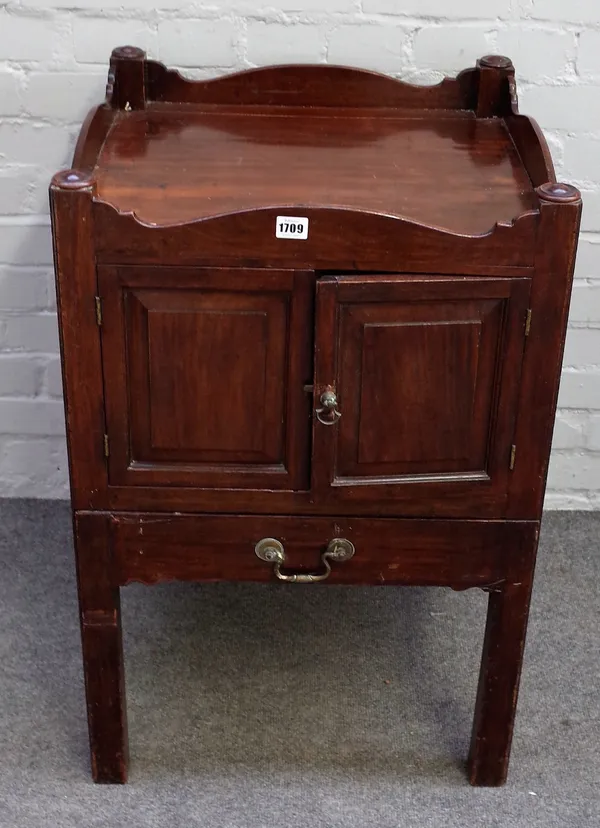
291, 227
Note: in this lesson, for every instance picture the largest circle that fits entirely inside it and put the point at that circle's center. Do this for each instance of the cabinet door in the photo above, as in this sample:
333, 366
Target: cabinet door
204, 373
425, 374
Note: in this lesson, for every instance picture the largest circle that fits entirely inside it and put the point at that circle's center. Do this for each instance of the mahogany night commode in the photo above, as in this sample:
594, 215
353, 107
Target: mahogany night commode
312, 322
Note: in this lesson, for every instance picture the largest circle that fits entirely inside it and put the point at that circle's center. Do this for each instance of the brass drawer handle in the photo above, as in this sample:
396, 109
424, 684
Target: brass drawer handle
272, 551
328, 414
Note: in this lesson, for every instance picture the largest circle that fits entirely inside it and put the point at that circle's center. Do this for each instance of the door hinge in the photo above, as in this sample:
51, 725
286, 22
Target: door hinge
106, 446
528, 322
513, 454
98, 302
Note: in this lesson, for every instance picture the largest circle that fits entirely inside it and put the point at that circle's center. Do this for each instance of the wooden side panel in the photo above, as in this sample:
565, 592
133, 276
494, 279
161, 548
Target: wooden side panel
205, 377
532, 148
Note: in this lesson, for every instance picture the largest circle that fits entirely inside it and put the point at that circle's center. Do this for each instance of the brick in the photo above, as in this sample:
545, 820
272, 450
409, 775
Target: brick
569, 430
594, 437
19, 376
537, 53
575, 108
276, 43
372, 47
36, 200
466, 9
573, 11
53, 379
101, 5
197, 42
585, 303
51, 290
588, 59
15, 189
583, 347
590, 219
26, 244
574, 471
450, 48
95, 38
65, 96
27, 38
581, 159
24, 190
326, 6
587, 264
35, 416
37, 333
49, 146
34, 468
580, 389
23, 289
10, 101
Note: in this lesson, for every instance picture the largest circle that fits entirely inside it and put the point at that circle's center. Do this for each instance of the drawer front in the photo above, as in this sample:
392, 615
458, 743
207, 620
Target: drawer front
150, 548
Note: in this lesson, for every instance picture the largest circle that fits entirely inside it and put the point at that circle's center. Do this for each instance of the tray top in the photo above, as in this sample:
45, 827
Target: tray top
172, 164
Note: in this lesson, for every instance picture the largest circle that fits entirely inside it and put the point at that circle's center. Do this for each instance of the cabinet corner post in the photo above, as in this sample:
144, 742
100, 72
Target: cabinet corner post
126, 84
71, 200
556, 245
497, 95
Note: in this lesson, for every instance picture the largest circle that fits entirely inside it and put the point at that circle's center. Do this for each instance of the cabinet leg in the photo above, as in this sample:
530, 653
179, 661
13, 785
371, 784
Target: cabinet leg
100, 615
499, 684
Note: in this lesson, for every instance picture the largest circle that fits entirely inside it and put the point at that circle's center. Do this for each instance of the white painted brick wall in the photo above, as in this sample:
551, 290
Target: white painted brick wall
53, 59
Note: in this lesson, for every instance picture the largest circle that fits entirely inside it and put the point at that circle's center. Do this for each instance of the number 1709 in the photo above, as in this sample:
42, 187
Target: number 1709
291, 227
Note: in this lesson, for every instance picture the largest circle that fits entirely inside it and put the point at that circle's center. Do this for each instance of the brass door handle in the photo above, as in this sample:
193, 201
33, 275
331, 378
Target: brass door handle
328, 414
272, 551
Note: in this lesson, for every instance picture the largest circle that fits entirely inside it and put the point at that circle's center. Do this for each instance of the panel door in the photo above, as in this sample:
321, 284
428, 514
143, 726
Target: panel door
421, 380
204, 373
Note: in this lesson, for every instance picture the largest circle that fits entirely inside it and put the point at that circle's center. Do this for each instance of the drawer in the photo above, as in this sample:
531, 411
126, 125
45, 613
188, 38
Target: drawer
150, 548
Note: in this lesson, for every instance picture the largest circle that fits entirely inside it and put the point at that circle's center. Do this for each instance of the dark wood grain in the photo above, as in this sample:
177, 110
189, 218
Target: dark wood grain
126, 87
494, 92
501, 664
311, 86
386, 243
91, 138
460, 554
100, 616
461, 174
427, 378
430, 298
207, 371
70, 204
532, 148
551, 293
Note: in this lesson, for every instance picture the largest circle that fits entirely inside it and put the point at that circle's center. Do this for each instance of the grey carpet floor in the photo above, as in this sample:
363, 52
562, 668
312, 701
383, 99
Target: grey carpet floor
273, 706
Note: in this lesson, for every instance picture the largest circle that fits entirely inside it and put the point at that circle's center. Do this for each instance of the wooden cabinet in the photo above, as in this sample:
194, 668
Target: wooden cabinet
312, 322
